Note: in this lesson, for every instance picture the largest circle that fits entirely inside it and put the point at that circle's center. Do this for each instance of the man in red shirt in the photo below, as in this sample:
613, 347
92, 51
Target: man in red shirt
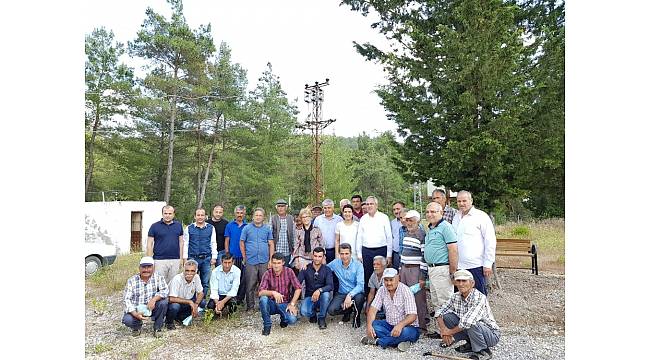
275, 289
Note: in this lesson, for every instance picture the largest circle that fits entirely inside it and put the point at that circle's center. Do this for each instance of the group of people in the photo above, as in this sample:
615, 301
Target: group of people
348, 264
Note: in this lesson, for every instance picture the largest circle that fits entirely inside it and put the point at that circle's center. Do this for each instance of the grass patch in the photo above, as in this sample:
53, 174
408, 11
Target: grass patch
146, 350
547, 234
99, 305
101, 347
111, 279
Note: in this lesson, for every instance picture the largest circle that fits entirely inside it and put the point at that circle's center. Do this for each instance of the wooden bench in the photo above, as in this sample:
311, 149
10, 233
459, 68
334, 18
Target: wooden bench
519, 247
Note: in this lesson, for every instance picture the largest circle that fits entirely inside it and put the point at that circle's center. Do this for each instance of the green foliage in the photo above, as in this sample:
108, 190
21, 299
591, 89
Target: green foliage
99, 305
521, 230
101, 348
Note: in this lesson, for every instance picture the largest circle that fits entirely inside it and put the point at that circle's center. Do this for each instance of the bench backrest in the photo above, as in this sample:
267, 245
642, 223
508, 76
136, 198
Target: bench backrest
514, 244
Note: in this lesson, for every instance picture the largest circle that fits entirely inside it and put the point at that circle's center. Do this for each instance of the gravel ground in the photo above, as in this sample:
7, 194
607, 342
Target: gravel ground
528, 308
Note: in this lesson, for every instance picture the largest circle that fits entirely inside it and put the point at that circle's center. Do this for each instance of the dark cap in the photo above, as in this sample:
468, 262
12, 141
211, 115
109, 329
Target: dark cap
281, 202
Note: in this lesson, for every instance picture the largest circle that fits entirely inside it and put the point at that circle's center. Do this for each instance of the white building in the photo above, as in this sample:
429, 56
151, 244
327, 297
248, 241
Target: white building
123, 224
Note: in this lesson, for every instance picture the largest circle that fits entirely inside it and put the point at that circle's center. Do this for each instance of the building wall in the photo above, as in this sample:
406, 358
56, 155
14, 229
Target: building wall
110, 222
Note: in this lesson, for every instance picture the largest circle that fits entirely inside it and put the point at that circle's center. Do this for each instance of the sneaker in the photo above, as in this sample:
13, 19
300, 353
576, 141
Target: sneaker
366, 340
346, 317
266, 331
136, 332
312, 319
322, 323
284, 324
156, 333
465, 348
170, 326
404, 346
484, 354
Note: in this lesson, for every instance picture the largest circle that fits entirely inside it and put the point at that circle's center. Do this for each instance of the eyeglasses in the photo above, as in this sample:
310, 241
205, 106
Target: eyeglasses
316, 276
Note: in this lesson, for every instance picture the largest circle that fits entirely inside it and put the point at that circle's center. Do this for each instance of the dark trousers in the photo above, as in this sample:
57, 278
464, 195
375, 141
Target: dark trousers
330, 255
241, 293
337, 301
158, 315
176, 311
229, 308
368, 255
479, 280
396, 260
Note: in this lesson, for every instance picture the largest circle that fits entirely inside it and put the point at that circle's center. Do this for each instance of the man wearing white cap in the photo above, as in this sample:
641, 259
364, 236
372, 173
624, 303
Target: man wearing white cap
400, 328
467, 316
145, 295
412, 267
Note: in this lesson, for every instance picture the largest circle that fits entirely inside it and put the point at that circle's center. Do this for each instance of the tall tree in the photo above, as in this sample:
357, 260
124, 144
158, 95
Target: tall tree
178, 55
109, 84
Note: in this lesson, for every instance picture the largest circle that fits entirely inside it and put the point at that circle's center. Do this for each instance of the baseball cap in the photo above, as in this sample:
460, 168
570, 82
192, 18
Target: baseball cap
412, 214
463, 275
281, 202
147, 260
389, 273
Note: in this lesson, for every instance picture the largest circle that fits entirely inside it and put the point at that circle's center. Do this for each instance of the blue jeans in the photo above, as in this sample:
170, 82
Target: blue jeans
384, 339
220, 254
204, 271
158, 316
307, 306
269, 307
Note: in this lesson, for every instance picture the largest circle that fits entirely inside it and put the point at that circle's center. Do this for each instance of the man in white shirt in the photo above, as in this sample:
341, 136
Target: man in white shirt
185, 295
476, 240
326, 222
224, 285
376, 238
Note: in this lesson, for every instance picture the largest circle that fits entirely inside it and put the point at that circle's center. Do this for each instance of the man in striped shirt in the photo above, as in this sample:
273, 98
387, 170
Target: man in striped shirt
467, 316
275, 289
413, 268
145, 289
401, 325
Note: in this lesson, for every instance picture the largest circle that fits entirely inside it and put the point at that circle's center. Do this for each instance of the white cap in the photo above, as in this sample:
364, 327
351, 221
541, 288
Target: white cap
389, 273
147, 260
412, 214
463, 275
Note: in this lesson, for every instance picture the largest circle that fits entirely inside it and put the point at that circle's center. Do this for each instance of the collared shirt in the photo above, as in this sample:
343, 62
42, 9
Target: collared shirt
180, 288
395, 225
351, 278
348, 235
282, 245
256, 241
375, 231
285, 283
314, 280
476, 238
399, 306
203, 240
470, 311
436, 241
413, 252
327, 227
219, 229
137, 292
449, 214
357, 215
233, 231
226, 283
166, 239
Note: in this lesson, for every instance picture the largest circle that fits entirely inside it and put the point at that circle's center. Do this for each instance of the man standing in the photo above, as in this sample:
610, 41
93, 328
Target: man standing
219, 222
275, 290
224, 283
349, 298
477, 240
376, 237
441, 255
400, 328
439, 196
467, 316
145, 289
283, 231
257, 247
165, 243
201, 245
326, 222
185, 295
232, 235
413, 268
357, 212
395, 225
318, 288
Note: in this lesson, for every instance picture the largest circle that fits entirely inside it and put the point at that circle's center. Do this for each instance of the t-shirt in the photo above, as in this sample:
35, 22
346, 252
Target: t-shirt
220, 229
178, 287
165, 239
348, 234
374, 282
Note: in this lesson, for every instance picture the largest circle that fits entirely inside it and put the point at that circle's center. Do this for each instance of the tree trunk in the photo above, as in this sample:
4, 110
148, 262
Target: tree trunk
199, 171
207, 168
91, 148
223, 162
170, 157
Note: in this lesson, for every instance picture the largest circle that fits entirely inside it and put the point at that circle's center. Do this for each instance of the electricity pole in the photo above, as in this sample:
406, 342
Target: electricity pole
315, 124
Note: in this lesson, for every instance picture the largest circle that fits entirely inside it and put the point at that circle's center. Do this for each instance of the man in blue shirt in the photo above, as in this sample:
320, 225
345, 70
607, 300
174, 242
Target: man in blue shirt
232, 235
201, 245
318, 288
257, 246
165, 244
349, 297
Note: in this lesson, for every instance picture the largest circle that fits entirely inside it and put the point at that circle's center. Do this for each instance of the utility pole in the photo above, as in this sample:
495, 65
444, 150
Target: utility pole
315, 124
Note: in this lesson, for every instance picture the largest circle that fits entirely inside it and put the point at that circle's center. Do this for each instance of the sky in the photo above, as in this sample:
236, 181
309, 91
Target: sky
304, 40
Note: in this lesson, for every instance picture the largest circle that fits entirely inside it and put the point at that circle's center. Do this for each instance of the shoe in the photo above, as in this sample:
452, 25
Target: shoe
156, 333
312, 319
266, 331
322, 323
346, 317
136, 332
284, 324
465, 348
366, 340
404, 346
434, 335
170, 326
484, 354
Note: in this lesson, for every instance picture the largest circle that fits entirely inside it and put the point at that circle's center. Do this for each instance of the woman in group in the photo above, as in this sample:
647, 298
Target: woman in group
308, 237
346, 232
